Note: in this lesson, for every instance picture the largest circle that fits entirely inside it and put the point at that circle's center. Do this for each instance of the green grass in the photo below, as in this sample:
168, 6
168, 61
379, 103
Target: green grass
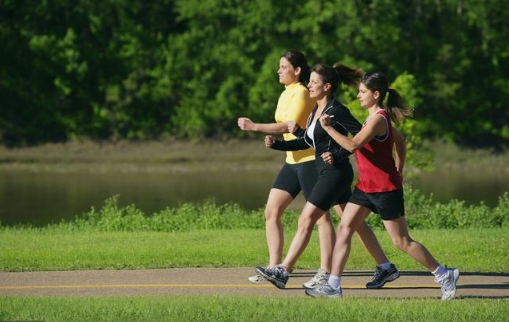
52, 249
247, 309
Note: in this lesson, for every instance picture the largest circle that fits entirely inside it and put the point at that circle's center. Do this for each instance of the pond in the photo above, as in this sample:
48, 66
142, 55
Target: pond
39, 198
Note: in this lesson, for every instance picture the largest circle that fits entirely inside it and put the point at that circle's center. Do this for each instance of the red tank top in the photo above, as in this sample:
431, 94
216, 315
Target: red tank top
377, 168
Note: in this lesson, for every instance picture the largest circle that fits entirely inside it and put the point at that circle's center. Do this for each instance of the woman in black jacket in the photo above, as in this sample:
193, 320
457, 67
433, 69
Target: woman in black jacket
335, 173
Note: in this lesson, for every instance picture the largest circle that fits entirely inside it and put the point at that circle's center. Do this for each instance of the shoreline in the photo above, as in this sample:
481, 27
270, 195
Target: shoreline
179, 156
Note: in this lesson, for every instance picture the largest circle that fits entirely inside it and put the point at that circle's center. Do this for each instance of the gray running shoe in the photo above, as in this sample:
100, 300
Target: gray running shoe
320, 278
448, 282
257, 279
325, 290
277, 275
383, 276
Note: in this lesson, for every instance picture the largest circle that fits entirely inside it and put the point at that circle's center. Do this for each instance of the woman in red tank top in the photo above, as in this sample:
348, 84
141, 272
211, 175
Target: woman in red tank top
380, 187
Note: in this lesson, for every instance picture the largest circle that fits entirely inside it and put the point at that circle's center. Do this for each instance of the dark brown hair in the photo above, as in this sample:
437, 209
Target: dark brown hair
297, 59
337, 74
395, 105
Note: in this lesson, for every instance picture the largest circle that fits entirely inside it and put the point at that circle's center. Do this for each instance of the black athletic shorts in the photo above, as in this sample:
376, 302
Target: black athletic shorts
333, 186
389, 205
296, 177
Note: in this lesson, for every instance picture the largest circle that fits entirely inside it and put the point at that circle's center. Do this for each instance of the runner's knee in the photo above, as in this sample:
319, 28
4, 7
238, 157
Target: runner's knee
402, 242
273, 214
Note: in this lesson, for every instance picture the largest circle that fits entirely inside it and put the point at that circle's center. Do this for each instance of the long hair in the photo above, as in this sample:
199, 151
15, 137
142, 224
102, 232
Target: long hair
395, 106
337, 74
297, 59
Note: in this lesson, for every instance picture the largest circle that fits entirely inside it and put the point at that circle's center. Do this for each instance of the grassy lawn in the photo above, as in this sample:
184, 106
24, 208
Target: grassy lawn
54, 249
247, 309
57, 249
92, 246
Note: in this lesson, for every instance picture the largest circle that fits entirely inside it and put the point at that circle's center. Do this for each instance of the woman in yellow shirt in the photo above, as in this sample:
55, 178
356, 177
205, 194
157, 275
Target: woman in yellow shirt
299, 171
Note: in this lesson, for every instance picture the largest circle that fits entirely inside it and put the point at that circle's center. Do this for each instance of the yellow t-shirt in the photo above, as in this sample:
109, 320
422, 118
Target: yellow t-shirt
294, 104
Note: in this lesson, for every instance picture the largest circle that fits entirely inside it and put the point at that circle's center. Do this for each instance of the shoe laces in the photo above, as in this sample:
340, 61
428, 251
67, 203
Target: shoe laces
442, 279
320, 276
276, 270
378, 272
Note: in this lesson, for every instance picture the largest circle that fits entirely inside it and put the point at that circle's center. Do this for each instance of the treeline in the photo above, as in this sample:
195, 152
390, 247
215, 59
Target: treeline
119, 69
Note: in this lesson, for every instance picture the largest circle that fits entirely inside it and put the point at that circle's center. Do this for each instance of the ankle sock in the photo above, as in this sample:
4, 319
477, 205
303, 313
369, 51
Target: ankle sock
334, 281
385, 266
439, 271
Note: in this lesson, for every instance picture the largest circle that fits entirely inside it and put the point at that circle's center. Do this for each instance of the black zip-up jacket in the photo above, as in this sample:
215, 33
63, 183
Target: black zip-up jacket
341, 120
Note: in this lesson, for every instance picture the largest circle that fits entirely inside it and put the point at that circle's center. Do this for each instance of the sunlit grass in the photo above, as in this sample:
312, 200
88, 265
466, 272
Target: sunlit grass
247, 309
51, 249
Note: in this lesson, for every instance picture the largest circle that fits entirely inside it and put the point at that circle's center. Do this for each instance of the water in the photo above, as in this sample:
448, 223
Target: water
42, 198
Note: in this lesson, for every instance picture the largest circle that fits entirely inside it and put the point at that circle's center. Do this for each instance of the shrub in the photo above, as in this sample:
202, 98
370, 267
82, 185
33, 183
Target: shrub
421, 212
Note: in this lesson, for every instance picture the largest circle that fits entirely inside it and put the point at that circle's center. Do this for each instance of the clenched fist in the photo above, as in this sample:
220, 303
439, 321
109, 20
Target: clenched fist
292, 126
269, 140
328, 158
246, 124
325, 120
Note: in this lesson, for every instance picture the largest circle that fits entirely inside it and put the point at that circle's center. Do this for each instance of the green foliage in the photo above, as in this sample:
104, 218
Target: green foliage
186, 217
141, 70
422, 212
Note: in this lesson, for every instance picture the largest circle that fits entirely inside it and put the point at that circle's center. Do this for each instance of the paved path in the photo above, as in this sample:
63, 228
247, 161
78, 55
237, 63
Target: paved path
231, 282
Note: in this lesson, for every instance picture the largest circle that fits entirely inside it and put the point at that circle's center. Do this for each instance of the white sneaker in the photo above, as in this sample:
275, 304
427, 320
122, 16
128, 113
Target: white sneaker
257, 279
320, 278
448, 282
325, 290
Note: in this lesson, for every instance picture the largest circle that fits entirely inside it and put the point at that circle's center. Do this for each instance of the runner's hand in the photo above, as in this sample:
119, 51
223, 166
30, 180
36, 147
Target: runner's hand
325, 120
245, 124
292, 126
327, 157
269, 140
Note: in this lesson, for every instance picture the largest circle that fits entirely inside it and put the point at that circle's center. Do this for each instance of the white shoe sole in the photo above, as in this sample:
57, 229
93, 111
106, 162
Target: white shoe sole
451, 294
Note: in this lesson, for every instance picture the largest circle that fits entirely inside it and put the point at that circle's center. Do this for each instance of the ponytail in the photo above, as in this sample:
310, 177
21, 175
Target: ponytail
305, 72
347, 75
338, 74
395, 106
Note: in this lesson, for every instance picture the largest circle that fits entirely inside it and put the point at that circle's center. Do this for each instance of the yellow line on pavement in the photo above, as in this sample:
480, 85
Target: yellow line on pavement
289, 286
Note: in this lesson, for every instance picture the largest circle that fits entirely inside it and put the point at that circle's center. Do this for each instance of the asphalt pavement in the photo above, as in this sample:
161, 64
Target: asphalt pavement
233, 282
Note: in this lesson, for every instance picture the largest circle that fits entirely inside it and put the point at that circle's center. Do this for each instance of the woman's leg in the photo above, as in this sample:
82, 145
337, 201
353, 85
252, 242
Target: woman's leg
367, 237
326, 237
398, 230
446, 277
278, 275
308, 176
352, 218
277, 202
309, 216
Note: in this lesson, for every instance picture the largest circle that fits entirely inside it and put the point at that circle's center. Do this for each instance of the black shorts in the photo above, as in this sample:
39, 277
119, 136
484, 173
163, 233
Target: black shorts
334, 185
296, 177
389, 205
